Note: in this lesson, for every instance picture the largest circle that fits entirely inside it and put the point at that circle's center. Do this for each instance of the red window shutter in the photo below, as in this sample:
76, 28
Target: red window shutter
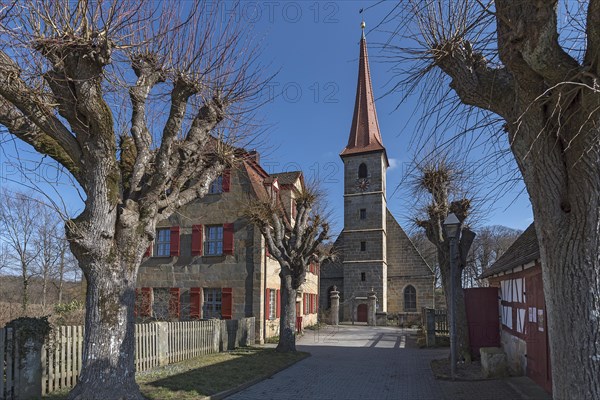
195, 302
226, 303
148, 252
196, 240
278, 304
146, 306
174, 303
174, 246
267, 303
226, 182
227, 238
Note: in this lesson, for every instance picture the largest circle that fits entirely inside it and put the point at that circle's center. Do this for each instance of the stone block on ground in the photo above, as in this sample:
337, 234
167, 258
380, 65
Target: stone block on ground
494, 363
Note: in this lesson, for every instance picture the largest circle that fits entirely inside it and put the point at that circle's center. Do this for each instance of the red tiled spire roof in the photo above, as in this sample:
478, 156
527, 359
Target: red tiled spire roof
364, 132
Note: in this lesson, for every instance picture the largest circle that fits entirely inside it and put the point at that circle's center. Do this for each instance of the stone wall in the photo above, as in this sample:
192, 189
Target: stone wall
406, 267
516, 350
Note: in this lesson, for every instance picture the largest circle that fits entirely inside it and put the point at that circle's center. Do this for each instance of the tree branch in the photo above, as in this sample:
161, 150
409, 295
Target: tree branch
35, 108
20, 126
475, 83
592, 54
148, 75
533, 37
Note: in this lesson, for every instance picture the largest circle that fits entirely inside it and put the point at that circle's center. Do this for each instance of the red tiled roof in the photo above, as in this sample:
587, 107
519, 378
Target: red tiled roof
364, 132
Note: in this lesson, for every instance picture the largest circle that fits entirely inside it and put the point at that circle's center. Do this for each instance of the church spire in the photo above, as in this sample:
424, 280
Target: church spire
364, 132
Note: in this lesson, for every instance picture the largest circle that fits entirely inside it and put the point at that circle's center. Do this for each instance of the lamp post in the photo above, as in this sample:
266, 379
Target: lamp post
452, 227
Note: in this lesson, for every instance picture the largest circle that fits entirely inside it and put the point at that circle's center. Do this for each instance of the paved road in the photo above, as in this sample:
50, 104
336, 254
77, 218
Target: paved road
360, 362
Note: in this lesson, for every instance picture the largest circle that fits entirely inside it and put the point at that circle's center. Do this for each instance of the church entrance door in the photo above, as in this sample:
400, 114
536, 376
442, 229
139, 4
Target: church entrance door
361, 313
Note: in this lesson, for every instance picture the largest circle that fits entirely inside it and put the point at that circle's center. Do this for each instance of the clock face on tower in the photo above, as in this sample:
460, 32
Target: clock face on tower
362, 184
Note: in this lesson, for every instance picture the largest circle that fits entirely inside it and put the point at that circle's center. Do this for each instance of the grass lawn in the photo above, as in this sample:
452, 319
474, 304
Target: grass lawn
209, 374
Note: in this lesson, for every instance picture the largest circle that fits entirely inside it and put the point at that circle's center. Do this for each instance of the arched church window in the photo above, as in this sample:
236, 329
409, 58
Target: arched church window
362, 170
410, 298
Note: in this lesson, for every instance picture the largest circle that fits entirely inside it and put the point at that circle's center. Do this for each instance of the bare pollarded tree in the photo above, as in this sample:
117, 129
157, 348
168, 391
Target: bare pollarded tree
295, 241
141, 102
437, 184
531, 69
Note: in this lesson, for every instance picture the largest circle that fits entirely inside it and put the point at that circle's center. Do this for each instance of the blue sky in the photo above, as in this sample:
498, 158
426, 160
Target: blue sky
314, 46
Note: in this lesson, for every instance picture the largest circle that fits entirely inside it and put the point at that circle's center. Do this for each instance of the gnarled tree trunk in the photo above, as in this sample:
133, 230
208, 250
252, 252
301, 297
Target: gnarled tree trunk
110, 322
287, 323
463, 350
545, 89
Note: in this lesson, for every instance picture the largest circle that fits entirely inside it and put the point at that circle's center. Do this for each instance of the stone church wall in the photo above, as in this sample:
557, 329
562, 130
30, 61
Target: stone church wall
406, 267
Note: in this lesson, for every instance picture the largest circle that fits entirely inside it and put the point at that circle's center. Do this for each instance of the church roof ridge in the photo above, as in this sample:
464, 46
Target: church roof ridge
364, 132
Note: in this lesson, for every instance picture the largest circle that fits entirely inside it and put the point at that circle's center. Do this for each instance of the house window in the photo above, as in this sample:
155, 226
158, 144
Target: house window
213, 244
410, 298
216, 186
272, 304
363, 246
212, 303
160, 304
362, 171
363, 276
363, 213
163, 242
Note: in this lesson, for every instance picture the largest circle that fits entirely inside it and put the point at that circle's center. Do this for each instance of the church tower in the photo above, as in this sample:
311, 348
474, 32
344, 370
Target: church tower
365, 207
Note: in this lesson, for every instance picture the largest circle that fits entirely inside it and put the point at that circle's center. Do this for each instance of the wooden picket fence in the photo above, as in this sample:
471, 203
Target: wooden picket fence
61, 358
192, 339
157, 343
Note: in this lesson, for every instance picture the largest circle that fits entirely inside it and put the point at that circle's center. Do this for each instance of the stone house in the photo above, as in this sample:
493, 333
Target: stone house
524, 333
208, 261
374, 253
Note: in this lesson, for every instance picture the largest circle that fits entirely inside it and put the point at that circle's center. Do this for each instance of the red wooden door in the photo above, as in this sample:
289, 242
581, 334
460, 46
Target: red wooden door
361, 313
536, 333
483, 318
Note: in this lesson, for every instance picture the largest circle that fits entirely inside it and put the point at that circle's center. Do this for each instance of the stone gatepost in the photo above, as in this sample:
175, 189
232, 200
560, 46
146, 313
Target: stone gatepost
29, 335
335, 306
371, 305
162, 333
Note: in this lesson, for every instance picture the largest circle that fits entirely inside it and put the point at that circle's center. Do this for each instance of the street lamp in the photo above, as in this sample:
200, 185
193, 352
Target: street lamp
452, 227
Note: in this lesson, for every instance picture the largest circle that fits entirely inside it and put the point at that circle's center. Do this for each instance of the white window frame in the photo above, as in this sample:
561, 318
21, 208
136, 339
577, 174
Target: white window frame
216, 186
272, 304
162, 248
213, 301
213, 240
